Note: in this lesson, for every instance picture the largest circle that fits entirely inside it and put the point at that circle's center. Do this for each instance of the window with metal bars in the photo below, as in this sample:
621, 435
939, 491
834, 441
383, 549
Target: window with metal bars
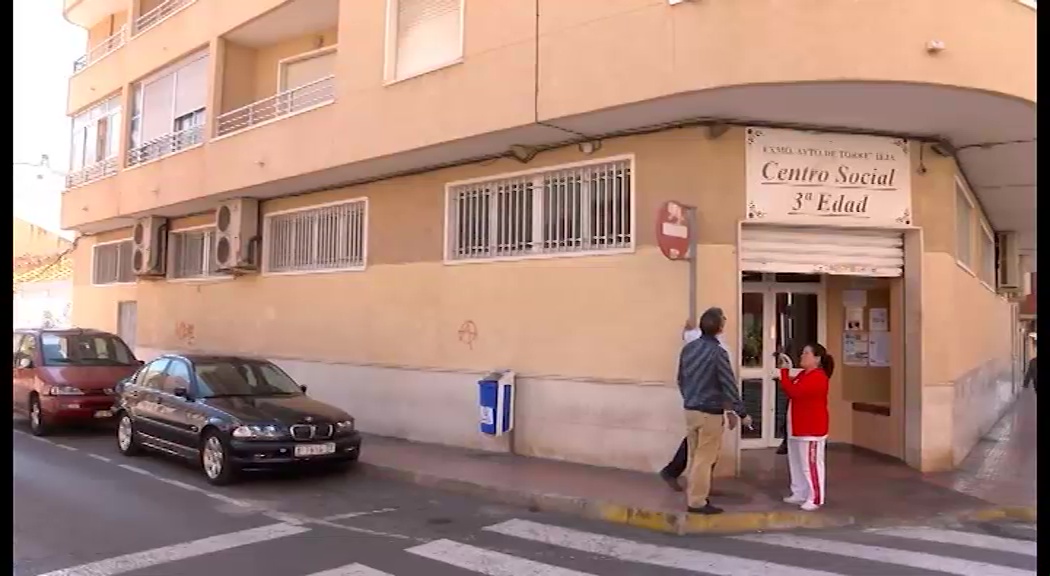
193, 254
562, 210
326, 238
111, 263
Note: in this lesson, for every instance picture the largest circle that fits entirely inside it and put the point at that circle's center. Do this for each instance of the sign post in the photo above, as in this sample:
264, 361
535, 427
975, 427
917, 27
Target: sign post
676, 237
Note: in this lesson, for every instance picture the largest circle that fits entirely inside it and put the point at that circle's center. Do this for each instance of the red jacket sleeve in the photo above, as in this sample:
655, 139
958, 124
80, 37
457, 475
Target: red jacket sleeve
812, 383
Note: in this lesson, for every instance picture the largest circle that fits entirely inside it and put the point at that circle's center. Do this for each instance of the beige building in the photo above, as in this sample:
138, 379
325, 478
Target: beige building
393, 197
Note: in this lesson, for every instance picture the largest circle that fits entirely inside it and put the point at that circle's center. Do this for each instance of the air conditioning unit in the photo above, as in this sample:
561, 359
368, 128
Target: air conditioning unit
237, 239
1008, 262
149, 239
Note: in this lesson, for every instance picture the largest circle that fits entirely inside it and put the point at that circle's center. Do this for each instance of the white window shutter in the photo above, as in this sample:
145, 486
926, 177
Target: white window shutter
157, 99
428, 35
191, 87
302, 72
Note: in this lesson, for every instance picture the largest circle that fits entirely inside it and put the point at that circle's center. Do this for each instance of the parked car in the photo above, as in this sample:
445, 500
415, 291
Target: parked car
230, 414
67, 376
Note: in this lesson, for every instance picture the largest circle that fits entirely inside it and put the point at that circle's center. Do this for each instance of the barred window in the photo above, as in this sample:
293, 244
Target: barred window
579, 209
317, 239
193, 254
112, 263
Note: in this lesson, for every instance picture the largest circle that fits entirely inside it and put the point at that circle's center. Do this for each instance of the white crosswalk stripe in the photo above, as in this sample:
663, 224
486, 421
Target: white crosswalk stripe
158, 556
968, 539
629, 550
487, 562
352, 570
921, 560
493, 559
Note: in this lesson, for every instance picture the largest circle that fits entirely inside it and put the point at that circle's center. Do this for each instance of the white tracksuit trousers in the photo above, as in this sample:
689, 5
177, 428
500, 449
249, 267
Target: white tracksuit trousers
806, 466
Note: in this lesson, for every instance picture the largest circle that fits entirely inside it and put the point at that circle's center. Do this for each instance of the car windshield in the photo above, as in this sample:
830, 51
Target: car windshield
243, 378
85, 350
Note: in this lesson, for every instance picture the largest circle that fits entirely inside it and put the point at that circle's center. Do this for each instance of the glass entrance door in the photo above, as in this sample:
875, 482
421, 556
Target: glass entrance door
774, 316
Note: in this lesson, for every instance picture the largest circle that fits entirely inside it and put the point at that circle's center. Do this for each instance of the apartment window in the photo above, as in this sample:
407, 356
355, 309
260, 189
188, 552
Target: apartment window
569, 210
168, 111
95, 138
963, 226
193, 254
987, 271
111, 263
318, 239
306, 80
423, 35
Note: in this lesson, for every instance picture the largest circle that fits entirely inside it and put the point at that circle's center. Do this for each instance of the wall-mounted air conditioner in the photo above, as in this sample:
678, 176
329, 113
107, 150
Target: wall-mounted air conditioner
237, 242
149, 239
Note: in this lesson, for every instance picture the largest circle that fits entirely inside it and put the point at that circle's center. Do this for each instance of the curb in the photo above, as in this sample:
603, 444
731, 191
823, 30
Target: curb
658, 521
681, 523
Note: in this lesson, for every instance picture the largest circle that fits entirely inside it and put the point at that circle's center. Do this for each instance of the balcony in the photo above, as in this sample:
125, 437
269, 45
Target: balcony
153, 13
293, 101
88, 174
273, 70
101, 49
166, 145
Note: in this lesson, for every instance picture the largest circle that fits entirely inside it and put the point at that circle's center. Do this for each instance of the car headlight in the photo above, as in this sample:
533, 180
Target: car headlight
65, 391
258, 432
345, 425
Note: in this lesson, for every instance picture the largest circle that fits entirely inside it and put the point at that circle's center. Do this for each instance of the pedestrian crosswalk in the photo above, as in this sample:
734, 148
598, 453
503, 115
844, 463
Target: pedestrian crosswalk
497, 550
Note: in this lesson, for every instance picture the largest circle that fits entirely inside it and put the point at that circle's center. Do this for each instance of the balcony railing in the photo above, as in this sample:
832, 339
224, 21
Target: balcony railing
166, 145
101, 50
96, 171
157, 15
277, 106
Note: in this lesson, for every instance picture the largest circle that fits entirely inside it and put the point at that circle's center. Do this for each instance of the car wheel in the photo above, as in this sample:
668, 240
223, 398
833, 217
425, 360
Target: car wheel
215, 460
126, 441
37, 421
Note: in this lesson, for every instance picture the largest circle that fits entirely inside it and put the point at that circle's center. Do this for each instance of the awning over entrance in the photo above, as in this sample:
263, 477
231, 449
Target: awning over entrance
844, 251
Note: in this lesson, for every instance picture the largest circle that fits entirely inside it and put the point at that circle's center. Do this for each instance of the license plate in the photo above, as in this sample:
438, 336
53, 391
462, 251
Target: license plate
315, 449
103, 414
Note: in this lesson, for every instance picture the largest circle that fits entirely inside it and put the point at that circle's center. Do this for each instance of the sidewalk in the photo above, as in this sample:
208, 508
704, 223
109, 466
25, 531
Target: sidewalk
997, 480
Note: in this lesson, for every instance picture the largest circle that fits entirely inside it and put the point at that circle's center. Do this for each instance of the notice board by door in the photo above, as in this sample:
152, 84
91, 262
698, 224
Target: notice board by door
127, 321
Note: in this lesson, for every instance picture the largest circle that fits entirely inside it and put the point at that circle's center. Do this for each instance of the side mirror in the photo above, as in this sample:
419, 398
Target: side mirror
24, 362
303, 388
181, 392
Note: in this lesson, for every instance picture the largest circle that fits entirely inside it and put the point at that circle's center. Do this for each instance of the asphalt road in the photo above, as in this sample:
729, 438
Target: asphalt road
82, 509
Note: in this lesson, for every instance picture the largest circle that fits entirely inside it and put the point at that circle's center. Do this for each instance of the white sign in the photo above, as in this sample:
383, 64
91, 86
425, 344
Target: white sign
827, 179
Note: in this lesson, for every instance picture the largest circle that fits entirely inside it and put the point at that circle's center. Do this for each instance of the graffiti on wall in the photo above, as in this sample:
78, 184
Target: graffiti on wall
468, 333
184, 332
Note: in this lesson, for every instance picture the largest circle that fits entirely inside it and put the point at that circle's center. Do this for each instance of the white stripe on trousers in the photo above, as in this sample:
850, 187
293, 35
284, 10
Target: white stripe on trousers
806, 465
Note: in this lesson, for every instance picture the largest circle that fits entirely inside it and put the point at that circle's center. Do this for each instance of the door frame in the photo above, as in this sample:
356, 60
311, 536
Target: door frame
769, 290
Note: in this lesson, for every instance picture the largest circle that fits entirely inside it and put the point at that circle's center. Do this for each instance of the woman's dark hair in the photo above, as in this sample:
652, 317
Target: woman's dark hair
827, 361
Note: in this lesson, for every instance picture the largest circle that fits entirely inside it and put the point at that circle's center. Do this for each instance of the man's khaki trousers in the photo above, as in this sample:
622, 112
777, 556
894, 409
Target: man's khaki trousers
704, 435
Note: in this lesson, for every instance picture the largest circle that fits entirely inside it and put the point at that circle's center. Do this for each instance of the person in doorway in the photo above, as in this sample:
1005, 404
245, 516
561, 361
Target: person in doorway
807, 424
1029, 376
707, 385
676, 467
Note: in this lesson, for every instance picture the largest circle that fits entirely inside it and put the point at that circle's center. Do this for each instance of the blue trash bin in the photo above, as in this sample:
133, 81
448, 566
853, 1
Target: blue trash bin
496, 401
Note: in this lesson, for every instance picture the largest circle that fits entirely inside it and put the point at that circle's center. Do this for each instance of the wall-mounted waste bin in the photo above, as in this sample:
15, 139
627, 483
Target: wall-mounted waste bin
496, 399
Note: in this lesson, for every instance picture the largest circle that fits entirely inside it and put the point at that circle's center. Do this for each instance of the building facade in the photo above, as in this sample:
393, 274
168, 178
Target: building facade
42, 277
391, 198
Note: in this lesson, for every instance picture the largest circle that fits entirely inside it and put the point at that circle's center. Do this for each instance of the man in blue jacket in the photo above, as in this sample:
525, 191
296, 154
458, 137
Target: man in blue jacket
708, 386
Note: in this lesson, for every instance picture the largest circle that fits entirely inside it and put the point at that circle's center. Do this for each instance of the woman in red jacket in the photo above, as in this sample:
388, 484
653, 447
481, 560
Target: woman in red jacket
808, 425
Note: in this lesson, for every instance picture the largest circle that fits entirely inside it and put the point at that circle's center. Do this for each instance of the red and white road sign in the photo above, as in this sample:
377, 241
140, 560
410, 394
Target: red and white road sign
672, 230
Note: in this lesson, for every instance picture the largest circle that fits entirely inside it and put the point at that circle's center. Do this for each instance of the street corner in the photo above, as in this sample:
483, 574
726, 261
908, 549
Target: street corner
999, 513
683, 523
666, 522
